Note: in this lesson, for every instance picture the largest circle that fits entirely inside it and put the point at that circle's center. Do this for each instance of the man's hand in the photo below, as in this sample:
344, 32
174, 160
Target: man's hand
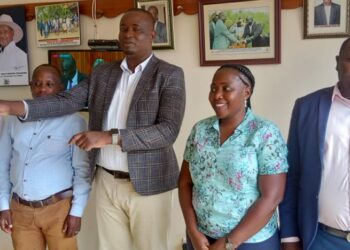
291, 246
6, 221
12, 108
91, 139
71, 226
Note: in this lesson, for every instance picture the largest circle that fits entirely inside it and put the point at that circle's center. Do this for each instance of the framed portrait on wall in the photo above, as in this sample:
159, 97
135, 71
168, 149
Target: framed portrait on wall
57, 24
326, 18
13, 47
76, 65
246, 32
162, 12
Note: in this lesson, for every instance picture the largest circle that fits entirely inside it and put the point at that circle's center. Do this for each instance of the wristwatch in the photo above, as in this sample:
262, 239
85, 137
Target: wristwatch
229, 245
115, 136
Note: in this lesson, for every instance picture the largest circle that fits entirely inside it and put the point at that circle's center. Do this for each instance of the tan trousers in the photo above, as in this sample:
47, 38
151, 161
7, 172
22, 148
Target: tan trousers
129, 221
33, 228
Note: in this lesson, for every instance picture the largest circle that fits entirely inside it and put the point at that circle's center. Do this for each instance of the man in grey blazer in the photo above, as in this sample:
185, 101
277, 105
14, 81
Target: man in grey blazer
327, 13
136, 109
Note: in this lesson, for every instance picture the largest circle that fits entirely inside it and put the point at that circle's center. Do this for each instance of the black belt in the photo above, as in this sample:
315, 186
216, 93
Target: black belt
116, 174
48, 201
336, 232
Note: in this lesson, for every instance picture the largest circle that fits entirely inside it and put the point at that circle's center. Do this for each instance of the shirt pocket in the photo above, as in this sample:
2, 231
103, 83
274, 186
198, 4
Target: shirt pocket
54, 145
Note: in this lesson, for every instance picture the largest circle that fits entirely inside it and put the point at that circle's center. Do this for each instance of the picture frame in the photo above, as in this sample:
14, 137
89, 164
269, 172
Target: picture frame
319, 25
240, 31
14, 70
57, 24
162, 12
76, 65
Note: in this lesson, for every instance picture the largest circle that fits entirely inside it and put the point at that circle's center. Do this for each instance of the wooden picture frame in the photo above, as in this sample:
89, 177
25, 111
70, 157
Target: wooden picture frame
162, 11
245, 32
85, 61
13, 49
319, 25
57, 24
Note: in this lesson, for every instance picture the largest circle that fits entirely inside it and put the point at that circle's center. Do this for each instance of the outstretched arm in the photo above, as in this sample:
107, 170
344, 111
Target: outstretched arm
12, 108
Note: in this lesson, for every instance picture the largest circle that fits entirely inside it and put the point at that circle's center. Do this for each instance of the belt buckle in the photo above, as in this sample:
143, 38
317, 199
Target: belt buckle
348, 237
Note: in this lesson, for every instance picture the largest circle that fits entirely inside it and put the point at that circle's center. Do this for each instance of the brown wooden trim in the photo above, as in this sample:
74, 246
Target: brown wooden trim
113, 8
291, 4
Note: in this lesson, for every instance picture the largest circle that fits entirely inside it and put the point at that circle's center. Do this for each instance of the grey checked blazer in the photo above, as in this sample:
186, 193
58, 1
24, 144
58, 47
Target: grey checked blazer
153, 123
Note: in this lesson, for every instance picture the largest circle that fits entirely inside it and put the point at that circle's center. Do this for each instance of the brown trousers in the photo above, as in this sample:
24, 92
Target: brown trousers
34, 228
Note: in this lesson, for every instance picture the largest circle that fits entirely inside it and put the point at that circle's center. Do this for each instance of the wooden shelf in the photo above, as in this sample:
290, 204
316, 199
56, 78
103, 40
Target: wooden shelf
113, 8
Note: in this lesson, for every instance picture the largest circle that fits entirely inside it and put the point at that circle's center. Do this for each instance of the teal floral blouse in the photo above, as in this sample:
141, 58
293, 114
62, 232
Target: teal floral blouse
225, 177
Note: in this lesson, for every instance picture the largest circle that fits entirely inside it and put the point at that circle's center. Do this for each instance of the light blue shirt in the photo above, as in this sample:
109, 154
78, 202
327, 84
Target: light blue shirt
225, 177
36, 160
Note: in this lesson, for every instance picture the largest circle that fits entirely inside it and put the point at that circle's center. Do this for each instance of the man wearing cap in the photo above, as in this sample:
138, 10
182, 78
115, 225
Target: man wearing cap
12, 58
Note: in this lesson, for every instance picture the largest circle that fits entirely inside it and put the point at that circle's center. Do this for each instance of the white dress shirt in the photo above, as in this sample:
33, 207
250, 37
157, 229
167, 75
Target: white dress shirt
334, 198
327, 10
111, 156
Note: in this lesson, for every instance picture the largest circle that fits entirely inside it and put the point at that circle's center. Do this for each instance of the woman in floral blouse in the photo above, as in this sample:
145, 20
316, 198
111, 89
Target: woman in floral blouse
234, 171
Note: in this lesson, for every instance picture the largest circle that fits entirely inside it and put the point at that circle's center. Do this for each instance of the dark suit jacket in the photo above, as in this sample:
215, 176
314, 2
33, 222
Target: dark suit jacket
320, 15
153, 123
161, 34
299, 209
81, 77
253, 35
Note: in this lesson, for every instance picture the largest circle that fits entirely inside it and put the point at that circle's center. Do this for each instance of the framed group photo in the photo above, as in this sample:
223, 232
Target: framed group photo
326, 18
246, 32
57, 24
162, 13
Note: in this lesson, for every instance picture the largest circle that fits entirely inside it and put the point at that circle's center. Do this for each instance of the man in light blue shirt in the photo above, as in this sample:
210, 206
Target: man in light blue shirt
48, 178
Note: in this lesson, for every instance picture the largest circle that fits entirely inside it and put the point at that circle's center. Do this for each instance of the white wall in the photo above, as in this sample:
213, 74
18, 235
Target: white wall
306, 66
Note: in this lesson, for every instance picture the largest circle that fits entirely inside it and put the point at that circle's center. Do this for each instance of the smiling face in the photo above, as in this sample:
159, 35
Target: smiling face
6, 35
228, 94
136, 34
46, 81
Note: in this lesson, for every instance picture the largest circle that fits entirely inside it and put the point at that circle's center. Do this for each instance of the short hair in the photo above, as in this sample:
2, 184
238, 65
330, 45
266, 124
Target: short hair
344, 45
53, 68
143, 11
152, 7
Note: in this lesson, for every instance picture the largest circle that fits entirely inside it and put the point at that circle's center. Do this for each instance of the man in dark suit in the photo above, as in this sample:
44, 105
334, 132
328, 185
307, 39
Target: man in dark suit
159, 27
71, 76
253, 34
327, 13
136, 109
315, 211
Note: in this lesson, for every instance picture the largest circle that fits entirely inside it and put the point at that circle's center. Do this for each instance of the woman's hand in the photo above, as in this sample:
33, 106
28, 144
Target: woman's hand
198, 240
219, 244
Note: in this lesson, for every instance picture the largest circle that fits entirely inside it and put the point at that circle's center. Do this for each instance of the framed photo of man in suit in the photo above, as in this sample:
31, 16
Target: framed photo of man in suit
76, 65
162, 13
326, 18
